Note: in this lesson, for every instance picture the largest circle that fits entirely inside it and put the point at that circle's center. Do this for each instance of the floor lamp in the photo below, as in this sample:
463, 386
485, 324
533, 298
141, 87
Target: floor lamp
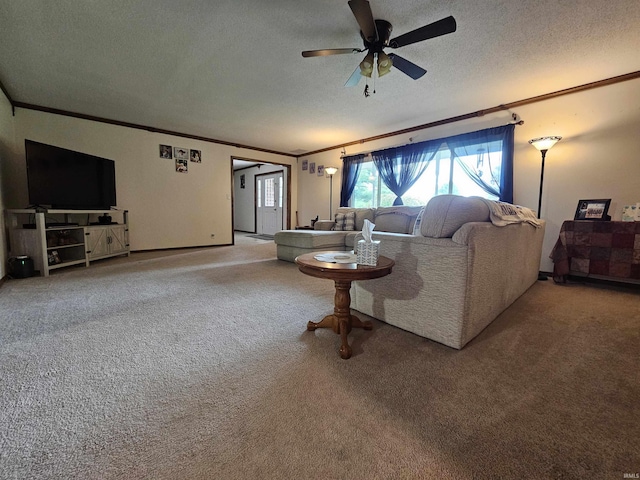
543, 144
331, 171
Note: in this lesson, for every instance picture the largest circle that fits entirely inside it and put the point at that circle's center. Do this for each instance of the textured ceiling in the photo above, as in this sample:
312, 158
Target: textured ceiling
232, 70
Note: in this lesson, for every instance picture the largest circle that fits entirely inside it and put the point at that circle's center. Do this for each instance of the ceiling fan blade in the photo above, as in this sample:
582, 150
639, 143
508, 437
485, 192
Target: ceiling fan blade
354, 79
329, 51
435, 29
407, 67
362, 11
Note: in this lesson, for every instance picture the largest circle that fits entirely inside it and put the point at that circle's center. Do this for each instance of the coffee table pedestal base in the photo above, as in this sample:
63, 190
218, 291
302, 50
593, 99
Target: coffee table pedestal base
341, 322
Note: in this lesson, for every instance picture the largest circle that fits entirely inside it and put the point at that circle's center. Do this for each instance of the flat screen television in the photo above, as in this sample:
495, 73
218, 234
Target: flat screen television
61, 178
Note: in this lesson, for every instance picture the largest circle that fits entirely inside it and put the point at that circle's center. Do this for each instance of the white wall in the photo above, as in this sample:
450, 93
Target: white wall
597, 157
315, 200
166, 209
7, 145
244, 198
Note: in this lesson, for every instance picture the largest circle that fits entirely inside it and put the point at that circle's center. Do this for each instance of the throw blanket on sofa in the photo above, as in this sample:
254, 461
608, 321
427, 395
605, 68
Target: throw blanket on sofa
505, 213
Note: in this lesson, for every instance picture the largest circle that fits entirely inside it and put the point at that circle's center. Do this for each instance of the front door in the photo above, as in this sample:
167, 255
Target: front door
269, 205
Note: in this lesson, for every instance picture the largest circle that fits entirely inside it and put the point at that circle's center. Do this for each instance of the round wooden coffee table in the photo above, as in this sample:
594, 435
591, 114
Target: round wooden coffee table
341, 321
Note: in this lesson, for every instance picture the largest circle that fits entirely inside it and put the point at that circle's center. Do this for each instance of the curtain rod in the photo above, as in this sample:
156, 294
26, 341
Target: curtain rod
343, 154
481, 113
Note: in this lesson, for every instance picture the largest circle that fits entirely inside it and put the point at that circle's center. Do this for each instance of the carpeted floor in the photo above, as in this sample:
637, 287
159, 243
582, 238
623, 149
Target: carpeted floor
197, 365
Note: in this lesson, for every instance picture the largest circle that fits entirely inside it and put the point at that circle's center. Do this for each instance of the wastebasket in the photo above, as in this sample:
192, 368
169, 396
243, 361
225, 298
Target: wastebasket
21, 266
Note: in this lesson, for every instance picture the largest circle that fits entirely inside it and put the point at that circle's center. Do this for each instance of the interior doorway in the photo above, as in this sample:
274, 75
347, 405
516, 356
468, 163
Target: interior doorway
249, 211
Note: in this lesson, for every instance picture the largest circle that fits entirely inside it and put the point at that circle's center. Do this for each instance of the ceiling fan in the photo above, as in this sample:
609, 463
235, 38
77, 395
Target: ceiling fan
376, 36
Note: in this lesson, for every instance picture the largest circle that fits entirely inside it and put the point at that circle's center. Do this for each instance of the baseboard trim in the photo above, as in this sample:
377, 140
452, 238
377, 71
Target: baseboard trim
605, 282
180, 248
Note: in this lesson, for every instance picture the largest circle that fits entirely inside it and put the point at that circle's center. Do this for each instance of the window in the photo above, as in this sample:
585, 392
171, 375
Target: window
259, 185
269, 192
467, 165
444, 175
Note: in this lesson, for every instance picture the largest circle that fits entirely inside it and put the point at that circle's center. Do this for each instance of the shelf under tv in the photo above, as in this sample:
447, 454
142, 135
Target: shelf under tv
51, 225
78, 240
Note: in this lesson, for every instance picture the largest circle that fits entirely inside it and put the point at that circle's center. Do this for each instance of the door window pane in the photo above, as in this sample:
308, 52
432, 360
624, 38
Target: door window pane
259, 184
269, 192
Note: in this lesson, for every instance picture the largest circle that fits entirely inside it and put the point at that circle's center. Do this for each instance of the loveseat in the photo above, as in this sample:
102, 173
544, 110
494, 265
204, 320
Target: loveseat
458, 263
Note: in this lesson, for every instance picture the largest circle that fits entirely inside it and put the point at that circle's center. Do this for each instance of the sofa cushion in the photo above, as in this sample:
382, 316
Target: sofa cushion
345, 221
445, 214
349, 239
361, 215
398, 219
310, 238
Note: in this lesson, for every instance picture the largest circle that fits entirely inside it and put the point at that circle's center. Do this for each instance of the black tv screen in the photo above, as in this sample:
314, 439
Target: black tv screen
62, 178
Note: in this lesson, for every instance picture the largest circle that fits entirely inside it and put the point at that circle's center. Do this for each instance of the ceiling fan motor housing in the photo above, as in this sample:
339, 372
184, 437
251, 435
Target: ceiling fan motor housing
384, 29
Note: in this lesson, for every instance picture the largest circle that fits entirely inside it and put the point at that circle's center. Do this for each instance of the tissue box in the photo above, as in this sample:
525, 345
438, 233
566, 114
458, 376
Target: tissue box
631, 213
367, 253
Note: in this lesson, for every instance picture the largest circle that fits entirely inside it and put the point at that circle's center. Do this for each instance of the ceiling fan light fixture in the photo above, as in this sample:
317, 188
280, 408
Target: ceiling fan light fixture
384, 64
366, 65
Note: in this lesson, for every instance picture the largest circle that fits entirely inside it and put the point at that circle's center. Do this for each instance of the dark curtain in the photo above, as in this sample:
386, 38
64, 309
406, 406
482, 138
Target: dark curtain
400, 167
479, 145
350, 169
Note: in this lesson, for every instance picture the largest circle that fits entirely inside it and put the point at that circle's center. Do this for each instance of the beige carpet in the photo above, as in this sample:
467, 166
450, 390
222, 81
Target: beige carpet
197, 365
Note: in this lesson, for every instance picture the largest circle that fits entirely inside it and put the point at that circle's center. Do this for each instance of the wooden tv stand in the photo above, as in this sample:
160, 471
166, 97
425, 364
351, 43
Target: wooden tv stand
63, 238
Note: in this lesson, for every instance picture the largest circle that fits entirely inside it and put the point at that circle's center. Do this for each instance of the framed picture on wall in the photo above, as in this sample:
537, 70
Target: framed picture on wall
195, 156
312, 168
320, 170
165, 151
305, 164
181, 153
593, 209
242, 181
181, 165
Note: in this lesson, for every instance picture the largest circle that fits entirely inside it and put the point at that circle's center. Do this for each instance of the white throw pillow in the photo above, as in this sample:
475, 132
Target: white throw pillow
340, 221
345, 221
350, 221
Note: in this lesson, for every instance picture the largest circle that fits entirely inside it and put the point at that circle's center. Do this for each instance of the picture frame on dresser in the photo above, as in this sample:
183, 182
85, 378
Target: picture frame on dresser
593, 209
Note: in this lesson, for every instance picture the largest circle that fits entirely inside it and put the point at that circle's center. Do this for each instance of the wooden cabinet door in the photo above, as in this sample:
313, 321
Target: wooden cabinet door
97, 242
117, 239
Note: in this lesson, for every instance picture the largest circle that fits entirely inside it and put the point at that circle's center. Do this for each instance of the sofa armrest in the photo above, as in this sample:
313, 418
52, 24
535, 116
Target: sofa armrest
324, 225
463, 235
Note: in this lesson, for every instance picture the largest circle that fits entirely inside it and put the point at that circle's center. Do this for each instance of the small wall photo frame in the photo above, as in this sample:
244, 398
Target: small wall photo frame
595, 209
242, 181
312, 168
165, 151
181, 153
181, 165
195, 156
305, 164
320, 170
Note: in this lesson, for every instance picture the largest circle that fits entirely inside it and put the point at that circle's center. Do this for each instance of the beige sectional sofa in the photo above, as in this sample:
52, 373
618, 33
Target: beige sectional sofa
291, 243
455, 272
